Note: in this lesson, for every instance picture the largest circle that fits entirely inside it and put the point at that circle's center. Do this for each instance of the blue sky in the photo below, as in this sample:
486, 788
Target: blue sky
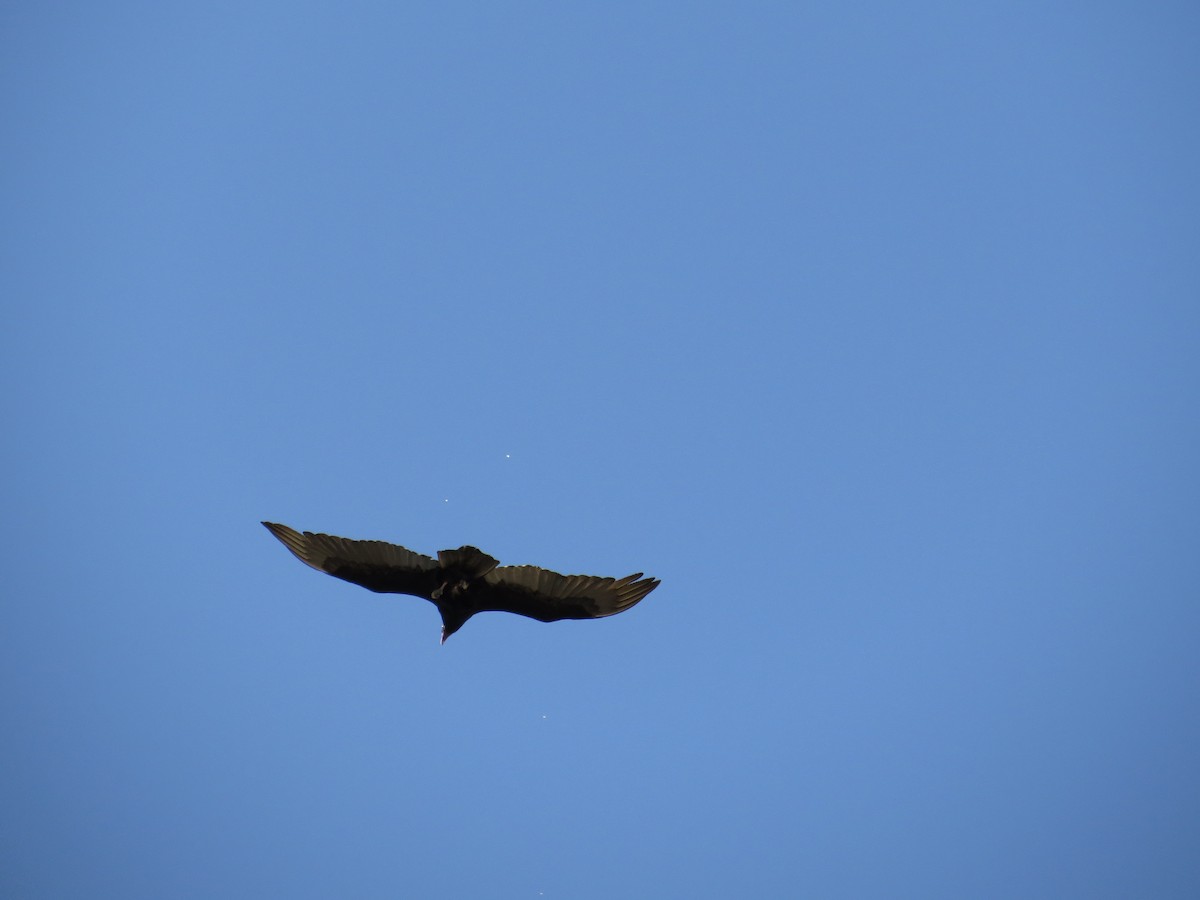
870, 329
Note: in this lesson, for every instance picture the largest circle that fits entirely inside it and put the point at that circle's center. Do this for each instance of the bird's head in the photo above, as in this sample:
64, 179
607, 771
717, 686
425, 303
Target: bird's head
452, 620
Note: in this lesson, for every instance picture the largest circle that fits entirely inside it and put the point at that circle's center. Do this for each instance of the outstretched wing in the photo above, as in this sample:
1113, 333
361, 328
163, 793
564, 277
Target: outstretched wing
548, 596
376, 565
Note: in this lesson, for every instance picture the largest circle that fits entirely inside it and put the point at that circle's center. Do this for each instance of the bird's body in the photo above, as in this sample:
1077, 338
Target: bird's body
465, 581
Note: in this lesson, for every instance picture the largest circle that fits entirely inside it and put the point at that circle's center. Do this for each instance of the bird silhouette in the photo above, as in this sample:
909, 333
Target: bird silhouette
465, 581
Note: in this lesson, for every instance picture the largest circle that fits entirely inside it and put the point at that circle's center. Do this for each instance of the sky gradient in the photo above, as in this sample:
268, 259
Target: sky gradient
871, 330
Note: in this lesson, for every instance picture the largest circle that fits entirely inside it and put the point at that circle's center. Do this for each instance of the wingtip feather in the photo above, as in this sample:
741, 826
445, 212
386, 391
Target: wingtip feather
297, 543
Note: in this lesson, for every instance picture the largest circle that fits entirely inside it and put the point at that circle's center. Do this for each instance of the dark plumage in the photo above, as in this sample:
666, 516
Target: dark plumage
465, 581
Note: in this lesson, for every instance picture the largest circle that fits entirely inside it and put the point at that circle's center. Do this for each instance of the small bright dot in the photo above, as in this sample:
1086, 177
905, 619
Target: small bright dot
508, 456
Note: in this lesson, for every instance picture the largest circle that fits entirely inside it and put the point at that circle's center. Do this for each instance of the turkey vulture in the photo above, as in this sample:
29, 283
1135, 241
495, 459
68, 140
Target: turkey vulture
465, 581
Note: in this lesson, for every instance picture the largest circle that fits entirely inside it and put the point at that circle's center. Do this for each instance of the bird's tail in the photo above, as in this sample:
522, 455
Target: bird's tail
471, 562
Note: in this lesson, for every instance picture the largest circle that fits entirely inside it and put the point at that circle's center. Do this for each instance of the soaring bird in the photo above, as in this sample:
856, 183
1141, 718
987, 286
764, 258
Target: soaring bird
465, 581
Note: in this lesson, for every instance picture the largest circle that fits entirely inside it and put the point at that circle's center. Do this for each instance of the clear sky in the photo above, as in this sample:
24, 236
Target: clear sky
871, 329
